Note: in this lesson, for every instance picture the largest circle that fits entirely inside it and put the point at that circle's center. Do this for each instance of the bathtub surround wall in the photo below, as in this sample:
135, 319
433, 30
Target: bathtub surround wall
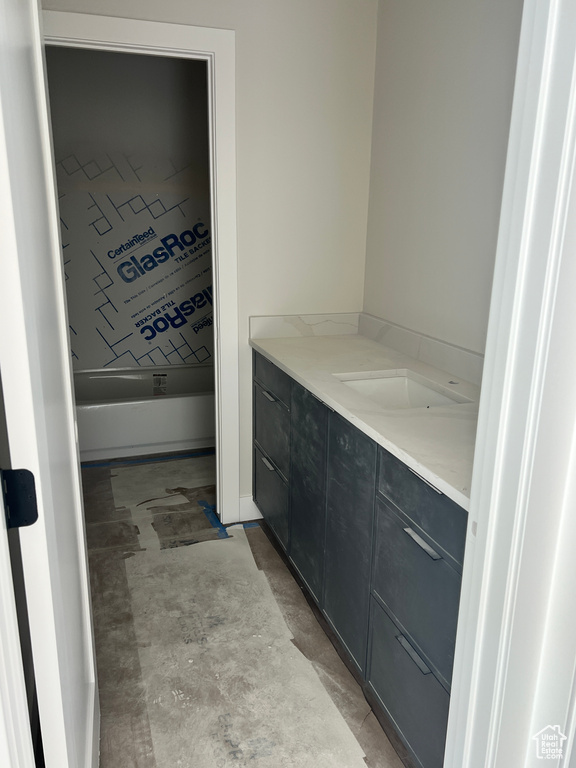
131, 148
138, 264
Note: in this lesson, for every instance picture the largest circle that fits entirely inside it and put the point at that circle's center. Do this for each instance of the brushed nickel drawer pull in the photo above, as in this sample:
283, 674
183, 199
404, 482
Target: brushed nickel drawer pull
423, 544
268, 396
267, 464
424, 668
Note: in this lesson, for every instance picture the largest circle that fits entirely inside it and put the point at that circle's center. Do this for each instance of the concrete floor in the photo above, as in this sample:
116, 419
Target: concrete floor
208, 654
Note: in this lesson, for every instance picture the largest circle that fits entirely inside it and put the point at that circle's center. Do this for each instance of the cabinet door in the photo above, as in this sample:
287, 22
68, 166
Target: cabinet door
272, 428
272, 378
271, 496
349, 517
308, 486
417, 586
413, 698
436, 514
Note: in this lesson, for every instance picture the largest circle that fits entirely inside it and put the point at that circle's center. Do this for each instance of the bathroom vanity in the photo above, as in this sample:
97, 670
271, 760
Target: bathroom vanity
365, 487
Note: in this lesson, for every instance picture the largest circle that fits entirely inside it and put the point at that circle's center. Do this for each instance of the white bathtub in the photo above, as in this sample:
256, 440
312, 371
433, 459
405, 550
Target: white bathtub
136, 412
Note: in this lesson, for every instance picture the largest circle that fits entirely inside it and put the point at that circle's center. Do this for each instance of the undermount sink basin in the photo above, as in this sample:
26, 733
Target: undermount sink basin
401, 389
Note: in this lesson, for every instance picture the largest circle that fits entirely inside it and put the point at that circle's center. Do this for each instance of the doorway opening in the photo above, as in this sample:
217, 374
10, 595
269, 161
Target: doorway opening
214, 50
132, 156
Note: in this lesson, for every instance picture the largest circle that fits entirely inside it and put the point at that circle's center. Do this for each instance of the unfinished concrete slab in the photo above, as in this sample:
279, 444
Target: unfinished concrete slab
208, 654
224, 684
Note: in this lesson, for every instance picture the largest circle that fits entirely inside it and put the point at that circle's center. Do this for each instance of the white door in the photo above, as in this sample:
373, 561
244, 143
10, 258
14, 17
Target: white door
37, 384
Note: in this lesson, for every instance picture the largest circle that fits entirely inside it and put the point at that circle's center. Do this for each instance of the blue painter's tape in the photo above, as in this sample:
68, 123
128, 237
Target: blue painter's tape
151, 460
210, 512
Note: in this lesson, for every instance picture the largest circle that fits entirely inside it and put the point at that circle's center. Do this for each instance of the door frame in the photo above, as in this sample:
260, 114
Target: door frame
515, 661
217, 48
37, 404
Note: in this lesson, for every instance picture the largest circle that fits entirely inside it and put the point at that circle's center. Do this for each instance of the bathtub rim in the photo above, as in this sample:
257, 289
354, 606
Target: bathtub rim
184, 376
147, 398
150, 368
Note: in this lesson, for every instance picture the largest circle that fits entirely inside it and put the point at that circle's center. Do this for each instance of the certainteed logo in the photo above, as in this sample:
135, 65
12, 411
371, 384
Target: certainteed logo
134, 240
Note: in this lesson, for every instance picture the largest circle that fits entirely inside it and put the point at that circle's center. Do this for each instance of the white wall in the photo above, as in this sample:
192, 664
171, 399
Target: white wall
305, 77
443, 96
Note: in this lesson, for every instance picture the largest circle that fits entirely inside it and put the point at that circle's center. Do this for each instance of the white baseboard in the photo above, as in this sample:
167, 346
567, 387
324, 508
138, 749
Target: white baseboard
248, 510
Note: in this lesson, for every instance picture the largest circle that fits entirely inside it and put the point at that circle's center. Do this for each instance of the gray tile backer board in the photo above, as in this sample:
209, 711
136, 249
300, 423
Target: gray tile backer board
224, 684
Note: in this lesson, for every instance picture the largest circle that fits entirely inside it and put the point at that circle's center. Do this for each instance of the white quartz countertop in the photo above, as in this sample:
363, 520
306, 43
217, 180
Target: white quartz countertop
437, 442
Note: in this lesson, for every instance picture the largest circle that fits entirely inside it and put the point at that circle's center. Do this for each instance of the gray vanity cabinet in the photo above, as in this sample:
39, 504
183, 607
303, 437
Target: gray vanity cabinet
349, 517
378, 547
309, 447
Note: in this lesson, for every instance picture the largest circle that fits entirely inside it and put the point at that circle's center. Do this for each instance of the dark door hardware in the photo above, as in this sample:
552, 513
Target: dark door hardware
19, 491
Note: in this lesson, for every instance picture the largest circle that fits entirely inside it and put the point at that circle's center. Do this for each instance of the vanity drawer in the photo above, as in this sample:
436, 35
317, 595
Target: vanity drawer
271, 496
272, 379
272, 428
433, 512
417, 585
409, 692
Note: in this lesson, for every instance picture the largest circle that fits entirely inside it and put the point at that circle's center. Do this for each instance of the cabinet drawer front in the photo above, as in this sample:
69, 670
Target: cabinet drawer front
418, 587
272, 429
411, 695
272, 379
435, 513
271, 496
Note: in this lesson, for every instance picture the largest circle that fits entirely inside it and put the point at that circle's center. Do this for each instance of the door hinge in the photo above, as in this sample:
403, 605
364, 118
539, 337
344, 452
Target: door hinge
19, 491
